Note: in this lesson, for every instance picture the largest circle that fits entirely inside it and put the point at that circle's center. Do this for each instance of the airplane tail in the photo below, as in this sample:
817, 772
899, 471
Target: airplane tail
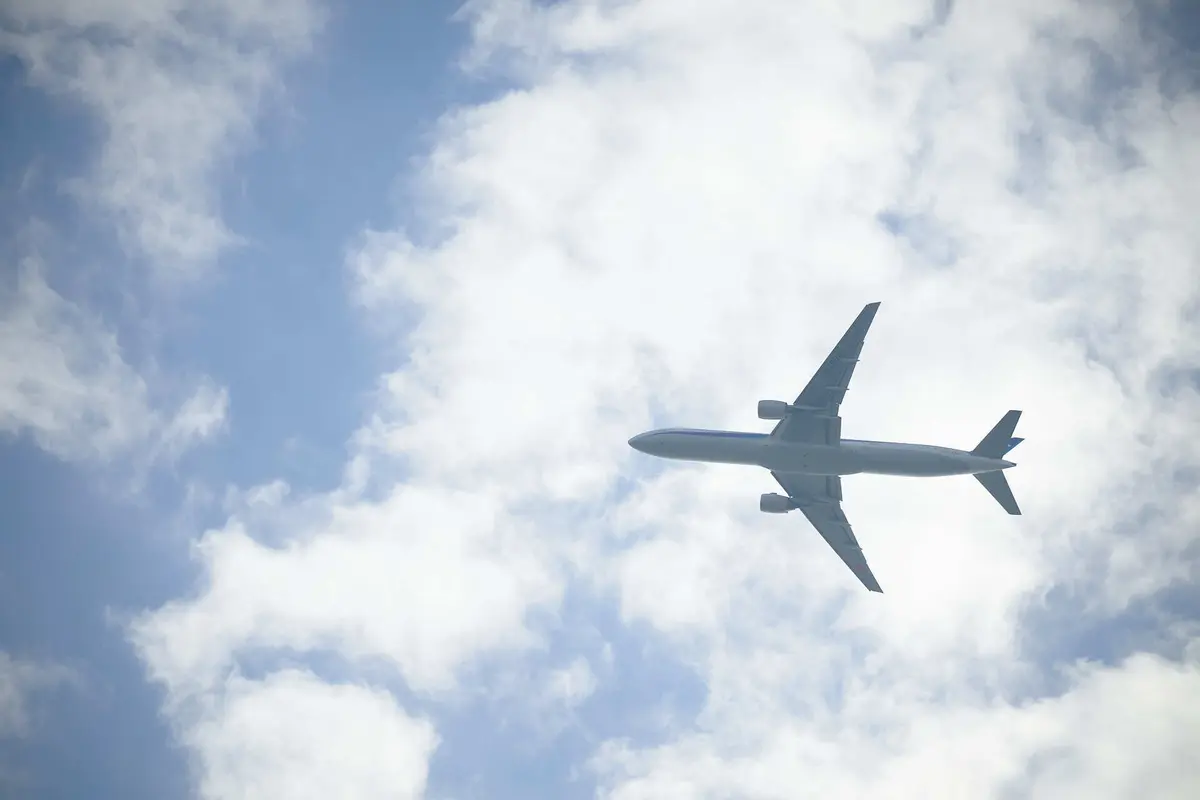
1000, 439
997, 444
997, 486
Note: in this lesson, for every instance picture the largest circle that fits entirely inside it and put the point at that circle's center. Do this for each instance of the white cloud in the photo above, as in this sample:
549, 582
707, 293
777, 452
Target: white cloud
292, 736
365, 579
19, 680
572, 684
1124, 731
175, 86
677, 215
65, 381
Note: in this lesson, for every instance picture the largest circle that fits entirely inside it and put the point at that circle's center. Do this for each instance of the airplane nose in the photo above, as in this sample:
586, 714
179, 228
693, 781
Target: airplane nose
639, 442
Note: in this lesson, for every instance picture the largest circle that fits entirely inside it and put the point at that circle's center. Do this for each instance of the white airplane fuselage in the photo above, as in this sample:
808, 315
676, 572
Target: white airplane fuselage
850, 457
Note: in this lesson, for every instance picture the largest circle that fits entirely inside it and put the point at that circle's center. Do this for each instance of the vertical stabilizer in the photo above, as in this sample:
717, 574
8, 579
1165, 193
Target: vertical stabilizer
997, 486
1000, 439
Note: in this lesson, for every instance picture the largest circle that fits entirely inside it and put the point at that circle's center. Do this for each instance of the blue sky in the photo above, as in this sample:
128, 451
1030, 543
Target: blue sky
378, 85
325, 327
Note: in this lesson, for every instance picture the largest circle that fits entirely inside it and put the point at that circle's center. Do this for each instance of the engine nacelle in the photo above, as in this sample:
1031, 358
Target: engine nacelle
776, 504
772, 409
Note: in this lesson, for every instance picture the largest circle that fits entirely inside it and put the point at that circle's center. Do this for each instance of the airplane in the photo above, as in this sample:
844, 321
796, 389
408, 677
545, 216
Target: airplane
807, 455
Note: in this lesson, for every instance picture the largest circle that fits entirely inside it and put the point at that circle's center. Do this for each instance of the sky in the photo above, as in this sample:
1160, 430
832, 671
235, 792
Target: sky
323, 327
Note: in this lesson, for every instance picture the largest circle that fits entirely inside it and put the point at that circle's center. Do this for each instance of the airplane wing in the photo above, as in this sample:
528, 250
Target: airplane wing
820, 498
817, 419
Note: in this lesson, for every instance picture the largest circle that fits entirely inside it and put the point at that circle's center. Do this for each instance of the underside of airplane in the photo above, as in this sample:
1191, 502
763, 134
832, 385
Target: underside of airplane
807, 455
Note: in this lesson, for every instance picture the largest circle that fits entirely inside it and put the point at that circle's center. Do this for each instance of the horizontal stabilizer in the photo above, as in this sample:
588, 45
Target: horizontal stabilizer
997, 486
1000, 439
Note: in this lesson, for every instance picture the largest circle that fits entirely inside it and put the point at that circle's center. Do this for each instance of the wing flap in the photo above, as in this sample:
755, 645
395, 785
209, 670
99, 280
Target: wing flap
833, 487
833, 430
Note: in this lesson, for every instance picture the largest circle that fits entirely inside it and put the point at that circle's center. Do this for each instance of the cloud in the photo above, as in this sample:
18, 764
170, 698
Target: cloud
363, 579
175, 88
572, 684
1118, 732
292, 736
675, 213
65, 381
20, 679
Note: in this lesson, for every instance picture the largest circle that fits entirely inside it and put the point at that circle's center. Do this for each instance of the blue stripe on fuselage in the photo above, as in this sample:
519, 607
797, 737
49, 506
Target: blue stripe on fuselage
752, 436
725, 434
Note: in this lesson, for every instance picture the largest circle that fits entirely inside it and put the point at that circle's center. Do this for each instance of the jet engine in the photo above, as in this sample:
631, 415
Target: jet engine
775, 504
772, 409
